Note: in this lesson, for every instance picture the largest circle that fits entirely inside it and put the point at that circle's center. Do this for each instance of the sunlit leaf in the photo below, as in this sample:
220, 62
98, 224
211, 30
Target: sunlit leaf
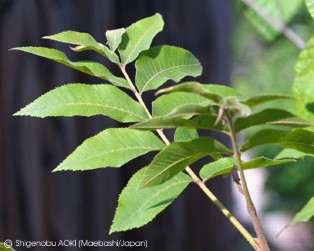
84, 41
138, 207
111, 148
305, 214
213, 92
168, 102
138, 37
89, 67
114, 38
175, 157
310, 7
159, 64
86, 100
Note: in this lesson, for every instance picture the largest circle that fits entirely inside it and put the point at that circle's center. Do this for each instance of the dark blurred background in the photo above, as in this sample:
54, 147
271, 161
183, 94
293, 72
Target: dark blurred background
36, 204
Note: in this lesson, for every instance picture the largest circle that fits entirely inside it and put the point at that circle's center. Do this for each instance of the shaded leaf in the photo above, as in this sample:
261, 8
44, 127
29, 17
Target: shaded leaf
138, 37
168, 102
91, 68
85, 41
164, 122
159, 64
110, 148
264, 98
86, 100
138, 207
213, 92
291, 153
185, 134
224, 166
298, 139
114, 38
175, 157
261, 118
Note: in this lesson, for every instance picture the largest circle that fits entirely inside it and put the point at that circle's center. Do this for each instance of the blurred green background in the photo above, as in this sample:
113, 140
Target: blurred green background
263, 64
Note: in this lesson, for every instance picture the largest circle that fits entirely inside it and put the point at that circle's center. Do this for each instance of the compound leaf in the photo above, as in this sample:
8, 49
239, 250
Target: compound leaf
157, 65
175, 157
138, 37
138, 207
86, 100
298, 139
85, 41
111, 148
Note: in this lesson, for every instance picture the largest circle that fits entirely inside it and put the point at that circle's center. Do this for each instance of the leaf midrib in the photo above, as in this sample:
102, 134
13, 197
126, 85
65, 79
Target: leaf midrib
93, 104
162, 71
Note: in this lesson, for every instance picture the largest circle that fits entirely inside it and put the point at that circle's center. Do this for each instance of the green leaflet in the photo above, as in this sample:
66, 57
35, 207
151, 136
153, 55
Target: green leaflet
264, 98
303, 89
224, 166
213, 92
305, 62
138, 207
200, 122
310, 7
168, 102
114, 38
260, 118
305, 214
4, 248
277, 9
86, 100
157, 65
175, 157
291, 153
185, 134
138, 37
298, 139
84, 41
111, 148
89, 67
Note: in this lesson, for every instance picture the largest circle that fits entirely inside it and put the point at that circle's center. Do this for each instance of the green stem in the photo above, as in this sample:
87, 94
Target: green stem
249, 203
195, 178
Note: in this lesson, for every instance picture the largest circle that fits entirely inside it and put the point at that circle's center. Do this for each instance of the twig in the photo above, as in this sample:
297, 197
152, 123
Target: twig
276, 24
249, 203
195, 178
